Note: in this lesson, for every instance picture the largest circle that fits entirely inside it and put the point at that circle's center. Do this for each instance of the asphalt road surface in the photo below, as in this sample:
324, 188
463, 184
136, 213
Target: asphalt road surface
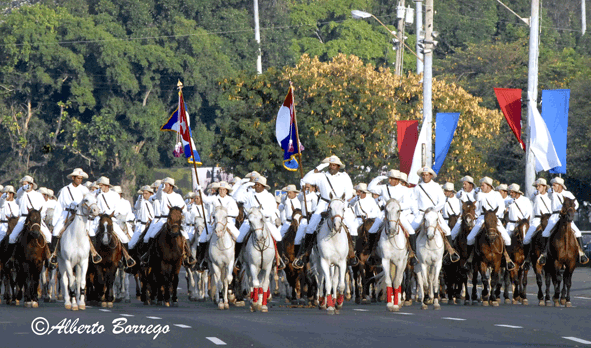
201, 324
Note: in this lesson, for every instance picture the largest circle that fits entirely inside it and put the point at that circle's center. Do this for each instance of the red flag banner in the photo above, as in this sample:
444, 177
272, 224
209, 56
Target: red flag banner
510, 102
408, 135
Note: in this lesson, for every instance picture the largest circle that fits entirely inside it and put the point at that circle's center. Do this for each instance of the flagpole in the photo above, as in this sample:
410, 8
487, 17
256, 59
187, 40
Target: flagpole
180, 87
301, 165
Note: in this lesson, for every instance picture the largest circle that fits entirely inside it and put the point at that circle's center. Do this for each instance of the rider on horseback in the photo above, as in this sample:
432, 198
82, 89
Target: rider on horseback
519, 209
488, 199
542, 206
466, 194
144, 214
365, 208
8, 209
558, 195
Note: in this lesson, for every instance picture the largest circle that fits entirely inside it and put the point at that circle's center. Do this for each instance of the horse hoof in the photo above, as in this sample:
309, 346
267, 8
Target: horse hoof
556, 303
104, 304
348, 297
495, 303
264, 309
68, 306
60, 297
253, 308
139, 298
485, 303
239, 304
568, 304
424, 306
330, 311
445, 300
548, 303
429, 302
407, 303
524, 302
513, 302
74, 307
221, 306
35, 304
508, 301
109, 304
563, 301
226, 305
542, 303
17, 303
339, 306
166, 304
436, 307
27, 304
175, 304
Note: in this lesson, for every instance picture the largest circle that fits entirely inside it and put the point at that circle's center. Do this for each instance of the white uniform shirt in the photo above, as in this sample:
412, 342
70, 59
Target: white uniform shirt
264, 200
107, 201
490, 201
169, 200
288, 207
9, 209
227, 202
29, 200
558, 200
366, 207
452, 207
145, 212
338, 185
464, 196
68, 195
542, 205
431, 195
123, 210
519, 209
311, 201
387, 192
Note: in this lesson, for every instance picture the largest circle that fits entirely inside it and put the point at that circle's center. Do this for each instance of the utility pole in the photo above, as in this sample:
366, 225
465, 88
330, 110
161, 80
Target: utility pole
401, 14
419, 28
427, 79
532, 92
257, 37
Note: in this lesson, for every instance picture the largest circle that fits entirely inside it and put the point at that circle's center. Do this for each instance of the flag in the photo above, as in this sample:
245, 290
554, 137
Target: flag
510, 103
541, 142
445, 127
180, 122
407, 136
555, 114
417, 158
285, 131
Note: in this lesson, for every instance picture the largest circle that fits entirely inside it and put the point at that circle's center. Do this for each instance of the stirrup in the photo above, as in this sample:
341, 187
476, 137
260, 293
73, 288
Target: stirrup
53, 260
298, 262
145, 259
510, 265
583, 259
96, 258
189, 260
129, 263
542, 259
354, 261
454, 257
281, 265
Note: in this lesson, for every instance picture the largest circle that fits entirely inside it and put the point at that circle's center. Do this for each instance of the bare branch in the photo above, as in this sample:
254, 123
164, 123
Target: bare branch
146, 97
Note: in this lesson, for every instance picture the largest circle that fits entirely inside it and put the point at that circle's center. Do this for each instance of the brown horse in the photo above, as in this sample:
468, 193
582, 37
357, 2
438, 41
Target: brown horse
110, 249
140, 273
30, 253
537, 248
517, 276
563, 253
363, 272
295, 277
488, 254
5, 271
456, 276
167, 258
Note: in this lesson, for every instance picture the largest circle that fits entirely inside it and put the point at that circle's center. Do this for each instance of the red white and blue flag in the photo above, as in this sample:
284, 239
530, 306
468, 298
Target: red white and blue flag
180, 122
285, 130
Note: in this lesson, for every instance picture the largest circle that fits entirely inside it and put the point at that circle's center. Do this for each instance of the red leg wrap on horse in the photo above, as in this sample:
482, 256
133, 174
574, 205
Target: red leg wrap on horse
261, 292
396, 292
340, 299
389, 294
254, 294
329, 301
265, 296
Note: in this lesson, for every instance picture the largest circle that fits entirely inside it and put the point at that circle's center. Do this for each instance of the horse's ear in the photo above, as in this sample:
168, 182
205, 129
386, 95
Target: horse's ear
343, 196
330, 195
112, 214
497, 209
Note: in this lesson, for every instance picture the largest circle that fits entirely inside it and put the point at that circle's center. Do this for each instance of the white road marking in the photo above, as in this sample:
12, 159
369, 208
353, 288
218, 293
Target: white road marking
578, 340
179, 288
582, 298
404, 313
126, 315
450, 318
182, 326
360, 310
509, 326
216, 341
157, 318
21, 333
104, 310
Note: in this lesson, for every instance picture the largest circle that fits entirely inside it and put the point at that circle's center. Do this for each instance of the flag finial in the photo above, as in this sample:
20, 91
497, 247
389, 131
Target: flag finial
179, 84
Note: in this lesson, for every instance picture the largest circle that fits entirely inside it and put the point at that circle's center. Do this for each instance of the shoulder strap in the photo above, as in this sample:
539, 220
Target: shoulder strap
517, 205
361, 207
105, 200
487, 202
148, 208
332, 188
560, 198
389, 193
548, 209
422, 188
29, 199
10, 208
259, 202
450, 207
70, 192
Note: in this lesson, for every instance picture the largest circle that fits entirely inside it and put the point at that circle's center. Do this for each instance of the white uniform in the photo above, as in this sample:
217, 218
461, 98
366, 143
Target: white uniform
400, 193
9, 209
463, 196
144, 215
519, 209
227, 202
452, 207
26, 201
198, 212
338, 185
542, 206
287, 214
50, 206
312, 199
266, 201
489, 201
429, 195
124, 218
167, 201
243, 191
557, 201
67, 202
107, 202
365, 208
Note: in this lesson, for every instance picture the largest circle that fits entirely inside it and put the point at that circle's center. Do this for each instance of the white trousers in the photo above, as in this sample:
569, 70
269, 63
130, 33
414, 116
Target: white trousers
533, 226
270, 226
552, 222
416, 223
139, 229
156, 226
3, 230
60, 223
19, 228
205, 237
478, 225
456, 230
301, 231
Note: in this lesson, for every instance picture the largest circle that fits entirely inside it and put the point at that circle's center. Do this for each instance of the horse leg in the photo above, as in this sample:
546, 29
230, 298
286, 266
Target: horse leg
556, 280
507, 281
563, 292
175, 285
548, 283
67, 278
325, 269
475, 285
485, 294
342, 285
540, 283
228, 281
568, 276
217, 280
266, 286
435, 277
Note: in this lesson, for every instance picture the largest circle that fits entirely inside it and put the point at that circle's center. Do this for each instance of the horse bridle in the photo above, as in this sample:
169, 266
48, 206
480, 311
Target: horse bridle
332, 218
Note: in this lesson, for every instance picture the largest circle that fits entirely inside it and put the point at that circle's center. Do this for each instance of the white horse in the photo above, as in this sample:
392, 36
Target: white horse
221, 256
393, 251
196, 280
74, 253
258, 255
333, 249
430, 249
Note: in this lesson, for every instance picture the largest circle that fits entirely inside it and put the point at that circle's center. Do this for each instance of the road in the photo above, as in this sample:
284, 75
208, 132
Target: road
196, 324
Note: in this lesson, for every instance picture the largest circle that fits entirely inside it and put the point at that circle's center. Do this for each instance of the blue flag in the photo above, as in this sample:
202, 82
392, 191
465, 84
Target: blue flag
180, 122
286, 133
555, 114
445, 127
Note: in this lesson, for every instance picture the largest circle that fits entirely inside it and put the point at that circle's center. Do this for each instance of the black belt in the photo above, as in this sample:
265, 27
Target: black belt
157, 217
540, 216
71, 210
361, 216
143, 223
324, 199
556, 212
288, 220
445, 218
25, 215
514, 222
2, 221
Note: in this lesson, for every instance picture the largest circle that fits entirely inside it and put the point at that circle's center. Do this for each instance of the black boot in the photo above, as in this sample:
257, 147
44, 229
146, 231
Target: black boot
583, 259
281, 252
373, 260
53, 261
544, 255
353, 260
237, 250
304, 252
189, 259
413, 245
526, 263
468, 264
202, 249
145, 259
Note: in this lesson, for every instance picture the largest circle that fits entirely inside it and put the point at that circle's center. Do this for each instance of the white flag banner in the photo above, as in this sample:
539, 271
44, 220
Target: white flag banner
417, 158
541, 142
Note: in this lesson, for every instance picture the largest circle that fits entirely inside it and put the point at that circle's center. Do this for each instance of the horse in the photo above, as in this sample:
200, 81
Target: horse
74, 253
30, 252
196, 280
517, 276
537, 246
110, 249
563, 253
221, 256
6, 273
167, 258
258, 255
363, 272
430, 249
488, 254
295, 277
392, 248
456, 276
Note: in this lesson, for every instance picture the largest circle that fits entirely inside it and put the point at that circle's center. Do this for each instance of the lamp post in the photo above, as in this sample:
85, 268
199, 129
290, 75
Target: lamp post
257, 37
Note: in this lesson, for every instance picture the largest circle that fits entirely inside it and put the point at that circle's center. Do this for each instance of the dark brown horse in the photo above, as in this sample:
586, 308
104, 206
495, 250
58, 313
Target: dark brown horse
517, 276
537, 247
488, 253
103, 273
140, 273
363, 273
167, 258
6, 272
295, 277
30, 252
456, 276
563, 254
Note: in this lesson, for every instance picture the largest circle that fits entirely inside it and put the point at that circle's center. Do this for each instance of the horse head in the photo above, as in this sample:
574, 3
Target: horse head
393, 211
33, 221
257, 223
199, 225
174, 220
296, 216
568, 209
469, 213
490, 223
336, 211
221, 220
430, 220
105, 228
88, 207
